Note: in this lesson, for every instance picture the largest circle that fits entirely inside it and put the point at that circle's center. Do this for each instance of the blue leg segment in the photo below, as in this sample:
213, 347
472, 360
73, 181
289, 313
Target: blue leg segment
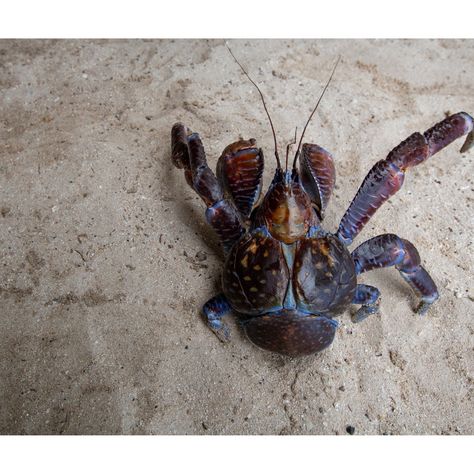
213, 311
368, 297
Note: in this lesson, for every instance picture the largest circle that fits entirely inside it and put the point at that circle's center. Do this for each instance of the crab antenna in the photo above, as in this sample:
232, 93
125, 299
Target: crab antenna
314, 110
264, 105
288, 149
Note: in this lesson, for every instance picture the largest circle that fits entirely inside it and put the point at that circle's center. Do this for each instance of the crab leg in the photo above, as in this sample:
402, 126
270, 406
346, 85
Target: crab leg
387, 250
386, 177
368, 297
213, 311
187, 152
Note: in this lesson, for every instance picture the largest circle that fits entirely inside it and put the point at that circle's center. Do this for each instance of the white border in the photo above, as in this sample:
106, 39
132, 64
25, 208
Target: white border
234, 454
235, 19
241, 18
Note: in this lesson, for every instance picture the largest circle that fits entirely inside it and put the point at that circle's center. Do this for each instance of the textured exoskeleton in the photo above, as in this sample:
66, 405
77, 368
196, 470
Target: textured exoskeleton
284, 276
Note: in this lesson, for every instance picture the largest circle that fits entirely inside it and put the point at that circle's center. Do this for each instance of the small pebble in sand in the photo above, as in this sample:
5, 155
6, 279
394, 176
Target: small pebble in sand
350, 429
201, 256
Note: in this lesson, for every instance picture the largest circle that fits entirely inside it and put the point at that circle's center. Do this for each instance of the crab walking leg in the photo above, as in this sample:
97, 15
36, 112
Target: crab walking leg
387, 250
386, 177
187, 152
213, 311
368, 297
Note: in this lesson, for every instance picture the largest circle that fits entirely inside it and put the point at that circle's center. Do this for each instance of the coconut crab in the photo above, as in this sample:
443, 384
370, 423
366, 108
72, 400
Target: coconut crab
285, 276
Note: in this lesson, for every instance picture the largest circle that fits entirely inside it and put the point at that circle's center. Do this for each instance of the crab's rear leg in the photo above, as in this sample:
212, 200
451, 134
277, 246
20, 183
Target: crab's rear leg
187, 152
318, 175
386, 177
388, 250
240, 173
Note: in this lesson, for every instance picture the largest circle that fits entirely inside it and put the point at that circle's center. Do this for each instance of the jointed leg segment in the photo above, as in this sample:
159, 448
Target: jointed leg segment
214, 310
187, 152
390, 250
386, 177
368, 297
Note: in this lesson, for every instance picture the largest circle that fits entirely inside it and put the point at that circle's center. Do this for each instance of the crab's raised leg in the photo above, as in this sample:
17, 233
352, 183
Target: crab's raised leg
213, 311
318, 175
387, 250
240, 172
368, 297
187, 152
386, 177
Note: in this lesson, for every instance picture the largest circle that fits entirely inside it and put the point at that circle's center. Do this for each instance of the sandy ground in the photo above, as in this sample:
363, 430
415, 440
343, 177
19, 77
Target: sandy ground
106, 258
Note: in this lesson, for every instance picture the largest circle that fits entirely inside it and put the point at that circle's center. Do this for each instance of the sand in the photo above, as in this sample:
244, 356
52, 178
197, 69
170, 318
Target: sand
106, 258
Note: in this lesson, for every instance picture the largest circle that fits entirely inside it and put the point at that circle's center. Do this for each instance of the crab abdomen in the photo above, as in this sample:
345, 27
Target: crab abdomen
291, 332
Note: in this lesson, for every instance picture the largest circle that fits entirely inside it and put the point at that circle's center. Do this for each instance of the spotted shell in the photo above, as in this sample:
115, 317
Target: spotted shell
279, 289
